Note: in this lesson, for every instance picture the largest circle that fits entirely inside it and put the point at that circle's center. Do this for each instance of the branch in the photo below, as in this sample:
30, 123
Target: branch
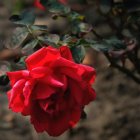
122, 69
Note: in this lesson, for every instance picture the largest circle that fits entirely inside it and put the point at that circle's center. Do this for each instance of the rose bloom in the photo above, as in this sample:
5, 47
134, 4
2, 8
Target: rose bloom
53, 90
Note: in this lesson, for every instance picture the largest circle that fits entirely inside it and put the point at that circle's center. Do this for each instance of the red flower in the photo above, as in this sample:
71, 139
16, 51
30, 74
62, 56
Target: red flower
38, 5
53, 90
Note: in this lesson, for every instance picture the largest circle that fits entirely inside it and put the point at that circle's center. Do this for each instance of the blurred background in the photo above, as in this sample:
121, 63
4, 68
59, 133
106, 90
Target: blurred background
115, 114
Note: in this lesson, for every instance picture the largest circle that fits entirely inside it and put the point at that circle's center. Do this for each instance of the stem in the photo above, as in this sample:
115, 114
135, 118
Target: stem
122, 69
35, 37
96, 34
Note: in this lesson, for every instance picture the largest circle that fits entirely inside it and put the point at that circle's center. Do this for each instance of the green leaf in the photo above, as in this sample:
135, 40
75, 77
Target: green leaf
55, 7
59, 8
25, 18
67, 39
76, 16
102, 46
116, 43
19, 36
39, 28
29, 47
85, 27
20, 65
107, 45
51, 39
78, 53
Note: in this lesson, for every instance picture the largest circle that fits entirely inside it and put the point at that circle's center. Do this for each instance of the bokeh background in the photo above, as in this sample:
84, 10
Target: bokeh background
114, 115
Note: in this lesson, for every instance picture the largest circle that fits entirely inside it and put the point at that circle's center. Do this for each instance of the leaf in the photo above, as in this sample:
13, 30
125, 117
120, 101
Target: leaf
25, 18
4, 80
39, 28
76, 16
78, 53
101, 46
51, 39
105, 6
67, 39
19, 36
59, 8
107, 45
116, 43
55, 7
85, 27
54, 38
29, 48
20, 65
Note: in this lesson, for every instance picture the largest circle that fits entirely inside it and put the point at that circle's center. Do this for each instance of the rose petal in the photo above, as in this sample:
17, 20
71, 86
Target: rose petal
15, 99
87, 73
40, 72
55, 126
42, 90
27, 90
38, 5
76, 91
65, 53
14, 76
67, 68
89, 96
42, 57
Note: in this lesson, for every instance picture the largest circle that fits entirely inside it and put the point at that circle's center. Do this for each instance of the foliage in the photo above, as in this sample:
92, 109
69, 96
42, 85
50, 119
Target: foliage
120, 45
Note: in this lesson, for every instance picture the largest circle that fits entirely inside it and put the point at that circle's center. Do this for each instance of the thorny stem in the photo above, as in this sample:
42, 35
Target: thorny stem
122, 69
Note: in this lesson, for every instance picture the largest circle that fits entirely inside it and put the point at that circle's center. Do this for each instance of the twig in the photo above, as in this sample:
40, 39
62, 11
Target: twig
122, 69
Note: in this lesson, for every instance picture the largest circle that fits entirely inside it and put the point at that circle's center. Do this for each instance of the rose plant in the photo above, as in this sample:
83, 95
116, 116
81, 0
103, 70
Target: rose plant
53, 90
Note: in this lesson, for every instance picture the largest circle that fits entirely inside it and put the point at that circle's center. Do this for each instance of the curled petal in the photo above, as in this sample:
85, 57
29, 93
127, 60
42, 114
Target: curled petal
87, 73
14, 76
27, 90
43, 57
40, 72
15, 96
65, 53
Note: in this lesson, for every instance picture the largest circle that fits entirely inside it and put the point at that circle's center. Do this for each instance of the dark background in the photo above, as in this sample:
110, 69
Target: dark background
114, 115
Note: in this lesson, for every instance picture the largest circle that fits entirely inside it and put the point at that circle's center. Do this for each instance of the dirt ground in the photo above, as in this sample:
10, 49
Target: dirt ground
114, 115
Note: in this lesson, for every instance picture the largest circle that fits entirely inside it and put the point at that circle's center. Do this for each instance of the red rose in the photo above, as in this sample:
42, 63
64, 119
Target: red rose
38, 4
53, 90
